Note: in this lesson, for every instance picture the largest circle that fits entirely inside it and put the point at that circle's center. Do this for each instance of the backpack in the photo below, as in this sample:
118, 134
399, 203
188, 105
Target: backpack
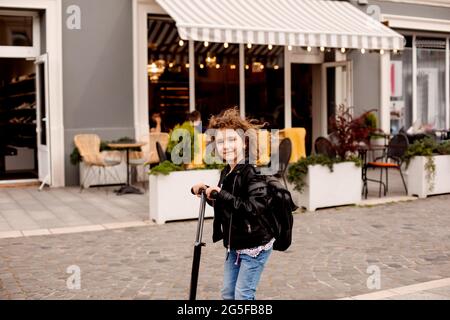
278, 215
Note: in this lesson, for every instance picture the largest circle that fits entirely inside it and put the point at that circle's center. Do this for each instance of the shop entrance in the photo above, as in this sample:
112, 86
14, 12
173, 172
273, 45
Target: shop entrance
337, 90
18, 140
31, 146
24, 150
24, 109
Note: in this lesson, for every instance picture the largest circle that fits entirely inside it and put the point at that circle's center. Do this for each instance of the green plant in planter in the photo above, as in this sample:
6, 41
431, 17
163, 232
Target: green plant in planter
443, 148
75, 157
189, 132
165, 168
370, 120
297, 172
424, 147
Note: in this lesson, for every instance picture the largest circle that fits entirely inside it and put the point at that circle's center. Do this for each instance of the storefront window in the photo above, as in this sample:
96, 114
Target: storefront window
302, 99
431, 82
264, 84
168, 72
216, 78
16, 31
401, 88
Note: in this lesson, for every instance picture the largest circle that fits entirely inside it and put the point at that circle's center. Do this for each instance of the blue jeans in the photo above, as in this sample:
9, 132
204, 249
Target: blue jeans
242, 274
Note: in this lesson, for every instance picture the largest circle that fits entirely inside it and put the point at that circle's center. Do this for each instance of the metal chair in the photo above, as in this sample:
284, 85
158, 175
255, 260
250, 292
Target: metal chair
324, 146
284, 155
149, 154
161, 154
391, 159
161, 138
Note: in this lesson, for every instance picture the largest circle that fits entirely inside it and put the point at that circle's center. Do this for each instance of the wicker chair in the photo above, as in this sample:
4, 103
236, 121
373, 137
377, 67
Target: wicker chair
88, 146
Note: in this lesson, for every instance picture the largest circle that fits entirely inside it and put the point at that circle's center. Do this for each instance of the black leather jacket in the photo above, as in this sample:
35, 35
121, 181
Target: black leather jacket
239, 209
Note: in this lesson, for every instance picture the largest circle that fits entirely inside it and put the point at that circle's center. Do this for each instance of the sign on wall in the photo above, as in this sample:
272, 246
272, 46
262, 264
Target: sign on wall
396, 79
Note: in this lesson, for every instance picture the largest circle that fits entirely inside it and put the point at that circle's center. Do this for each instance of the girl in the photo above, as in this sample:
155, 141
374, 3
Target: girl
239, 209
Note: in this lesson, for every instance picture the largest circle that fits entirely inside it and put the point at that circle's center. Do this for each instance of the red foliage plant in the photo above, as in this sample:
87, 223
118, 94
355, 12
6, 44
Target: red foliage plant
348, 132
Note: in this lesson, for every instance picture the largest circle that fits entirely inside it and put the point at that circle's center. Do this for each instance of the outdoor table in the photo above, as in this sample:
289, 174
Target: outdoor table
128, 188
442, 135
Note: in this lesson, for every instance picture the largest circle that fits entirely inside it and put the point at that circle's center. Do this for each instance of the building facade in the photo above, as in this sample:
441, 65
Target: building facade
105, 66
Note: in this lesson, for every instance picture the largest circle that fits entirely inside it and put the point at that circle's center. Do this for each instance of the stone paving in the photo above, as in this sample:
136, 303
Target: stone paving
409, 242
431, 290
30, 209
27, 211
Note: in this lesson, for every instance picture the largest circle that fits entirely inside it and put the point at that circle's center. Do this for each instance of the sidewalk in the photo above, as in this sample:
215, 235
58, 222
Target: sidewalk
432, 290
27, 211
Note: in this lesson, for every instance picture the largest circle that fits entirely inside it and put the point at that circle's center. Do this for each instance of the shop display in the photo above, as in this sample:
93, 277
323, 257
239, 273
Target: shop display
18, 124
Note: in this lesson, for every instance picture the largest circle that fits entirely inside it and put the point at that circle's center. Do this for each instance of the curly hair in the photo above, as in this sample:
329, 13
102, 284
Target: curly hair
231, 119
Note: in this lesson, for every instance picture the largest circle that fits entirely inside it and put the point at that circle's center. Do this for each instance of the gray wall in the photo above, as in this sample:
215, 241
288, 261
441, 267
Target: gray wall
414, 10
366, 81
98, 74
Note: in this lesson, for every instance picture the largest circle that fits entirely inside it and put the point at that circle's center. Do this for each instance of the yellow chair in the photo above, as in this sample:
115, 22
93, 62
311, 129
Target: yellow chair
163, 139
297, 137
149, 153
199, 154
263, 155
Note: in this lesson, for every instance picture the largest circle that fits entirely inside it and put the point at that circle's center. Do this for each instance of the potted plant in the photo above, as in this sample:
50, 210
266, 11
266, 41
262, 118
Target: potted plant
170, 183
428, 167
319, 181
376, 136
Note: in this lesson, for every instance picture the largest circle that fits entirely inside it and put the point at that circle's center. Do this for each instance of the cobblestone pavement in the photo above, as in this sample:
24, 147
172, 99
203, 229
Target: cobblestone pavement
332, 249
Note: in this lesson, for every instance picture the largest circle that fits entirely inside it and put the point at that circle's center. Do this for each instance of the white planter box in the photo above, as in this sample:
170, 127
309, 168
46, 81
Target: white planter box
323, 188
94, 178
418, 184
171, 197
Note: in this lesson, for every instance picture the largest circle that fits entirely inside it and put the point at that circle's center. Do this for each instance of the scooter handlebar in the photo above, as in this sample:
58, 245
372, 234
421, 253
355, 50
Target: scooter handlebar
213, 195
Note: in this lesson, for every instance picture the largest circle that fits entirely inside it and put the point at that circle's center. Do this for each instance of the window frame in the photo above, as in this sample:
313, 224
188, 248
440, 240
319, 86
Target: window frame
415, 107
23, 51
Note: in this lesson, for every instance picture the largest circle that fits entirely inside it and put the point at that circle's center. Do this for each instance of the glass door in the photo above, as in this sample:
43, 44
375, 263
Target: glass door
42, 120
337, 90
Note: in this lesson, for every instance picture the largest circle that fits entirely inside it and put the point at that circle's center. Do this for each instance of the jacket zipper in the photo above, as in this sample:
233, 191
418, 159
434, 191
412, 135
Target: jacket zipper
231, 218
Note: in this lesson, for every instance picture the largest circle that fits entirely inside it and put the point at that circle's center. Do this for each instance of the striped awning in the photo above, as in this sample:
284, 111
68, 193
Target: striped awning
315, 23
